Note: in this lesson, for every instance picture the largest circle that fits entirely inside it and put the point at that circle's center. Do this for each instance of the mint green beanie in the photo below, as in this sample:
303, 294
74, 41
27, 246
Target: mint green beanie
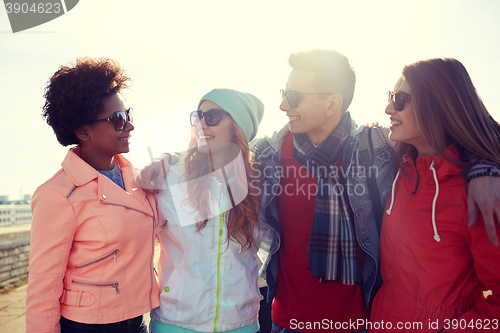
246, 109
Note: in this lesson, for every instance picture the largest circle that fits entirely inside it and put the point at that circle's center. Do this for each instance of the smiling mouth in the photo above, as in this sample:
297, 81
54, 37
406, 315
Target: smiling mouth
124, 139
395, 122
206, 137
292, 118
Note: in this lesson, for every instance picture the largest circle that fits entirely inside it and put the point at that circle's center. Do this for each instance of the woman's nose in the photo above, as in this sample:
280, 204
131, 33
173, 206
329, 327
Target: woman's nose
389, 109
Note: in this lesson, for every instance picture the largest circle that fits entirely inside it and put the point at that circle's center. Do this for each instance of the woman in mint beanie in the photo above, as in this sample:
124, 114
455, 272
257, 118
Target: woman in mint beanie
208, 268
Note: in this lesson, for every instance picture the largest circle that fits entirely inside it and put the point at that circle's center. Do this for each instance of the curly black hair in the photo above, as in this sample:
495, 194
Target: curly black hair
74, 95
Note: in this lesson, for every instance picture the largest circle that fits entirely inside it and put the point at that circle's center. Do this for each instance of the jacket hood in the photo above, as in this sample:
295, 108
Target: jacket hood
442, 171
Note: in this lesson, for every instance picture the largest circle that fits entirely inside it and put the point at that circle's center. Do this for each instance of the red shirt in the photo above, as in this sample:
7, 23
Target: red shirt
301, 302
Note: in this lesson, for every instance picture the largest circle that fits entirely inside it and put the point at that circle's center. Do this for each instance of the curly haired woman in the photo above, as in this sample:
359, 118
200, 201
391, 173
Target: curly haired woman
93, 230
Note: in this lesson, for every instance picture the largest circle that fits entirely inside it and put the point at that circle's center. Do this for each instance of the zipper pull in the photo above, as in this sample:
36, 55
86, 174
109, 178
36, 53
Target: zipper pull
116, 255
221, 221
116, 287
154, 270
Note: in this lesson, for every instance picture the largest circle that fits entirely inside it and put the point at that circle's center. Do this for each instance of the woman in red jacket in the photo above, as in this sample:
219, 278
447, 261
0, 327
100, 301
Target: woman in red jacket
93, 229
436, 270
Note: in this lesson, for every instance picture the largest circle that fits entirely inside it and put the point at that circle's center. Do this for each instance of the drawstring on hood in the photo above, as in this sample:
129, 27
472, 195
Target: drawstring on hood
389, 211
436, 235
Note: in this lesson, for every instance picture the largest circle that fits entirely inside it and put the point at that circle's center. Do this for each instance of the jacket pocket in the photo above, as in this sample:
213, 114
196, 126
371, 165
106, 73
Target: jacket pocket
115, 253
114, 285
77, 298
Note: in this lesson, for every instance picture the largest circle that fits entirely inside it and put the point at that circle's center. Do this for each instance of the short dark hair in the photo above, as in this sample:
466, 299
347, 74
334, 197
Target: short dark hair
332, 70
74, 95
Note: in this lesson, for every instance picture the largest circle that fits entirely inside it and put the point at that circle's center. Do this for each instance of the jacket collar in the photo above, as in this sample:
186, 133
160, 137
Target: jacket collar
355, 129
277, 139
81, 173
418, 167
444, 168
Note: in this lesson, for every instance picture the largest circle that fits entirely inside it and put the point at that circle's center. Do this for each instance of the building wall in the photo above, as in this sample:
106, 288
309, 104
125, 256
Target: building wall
15, 214
14, 253
15, 230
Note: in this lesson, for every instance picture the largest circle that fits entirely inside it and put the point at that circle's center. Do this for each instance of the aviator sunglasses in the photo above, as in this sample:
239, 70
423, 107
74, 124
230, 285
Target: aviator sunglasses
292, 97
120, 119
212, 117
397, 99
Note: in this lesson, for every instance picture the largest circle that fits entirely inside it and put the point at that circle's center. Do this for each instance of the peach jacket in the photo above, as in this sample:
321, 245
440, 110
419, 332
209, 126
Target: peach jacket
92, 247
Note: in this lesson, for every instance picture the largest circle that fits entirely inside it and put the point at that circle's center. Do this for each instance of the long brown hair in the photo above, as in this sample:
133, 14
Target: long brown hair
241, 219
449, 110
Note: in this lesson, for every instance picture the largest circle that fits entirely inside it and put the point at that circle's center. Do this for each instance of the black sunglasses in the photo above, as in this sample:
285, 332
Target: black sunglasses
212, 117
292, 97
120, 119
397, 99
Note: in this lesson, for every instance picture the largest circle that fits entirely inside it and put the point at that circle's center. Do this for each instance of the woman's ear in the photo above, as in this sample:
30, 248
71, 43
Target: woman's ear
82, 133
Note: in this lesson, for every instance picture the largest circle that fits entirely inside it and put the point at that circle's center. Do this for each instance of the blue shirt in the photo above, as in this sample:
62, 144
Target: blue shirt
115, 175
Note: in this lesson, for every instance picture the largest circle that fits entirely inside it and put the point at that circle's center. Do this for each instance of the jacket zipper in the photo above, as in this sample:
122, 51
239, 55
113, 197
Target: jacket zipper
151, 264
135, 210
152, 245
115, 285
221, 221
115, 252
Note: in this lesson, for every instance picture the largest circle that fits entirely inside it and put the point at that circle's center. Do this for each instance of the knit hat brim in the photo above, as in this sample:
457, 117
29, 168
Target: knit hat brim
245, 109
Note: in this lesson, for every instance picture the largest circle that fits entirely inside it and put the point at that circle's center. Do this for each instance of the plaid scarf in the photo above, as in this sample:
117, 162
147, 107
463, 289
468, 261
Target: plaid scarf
333, 255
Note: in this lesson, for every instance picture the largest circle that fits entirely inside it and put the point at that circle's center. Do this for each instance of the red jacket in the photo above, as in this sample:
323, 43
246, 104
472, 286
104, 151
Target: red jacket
92, 244
433, 282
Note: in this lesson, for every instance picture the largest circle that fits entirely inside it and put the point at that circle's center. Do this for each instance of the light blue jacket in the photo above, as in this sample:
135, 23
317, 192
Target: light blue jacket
268, 157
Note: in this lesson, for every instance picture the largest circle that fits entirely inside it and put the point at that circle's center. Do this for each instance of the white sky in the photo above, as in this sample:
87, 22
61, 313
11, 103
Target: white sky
175, 51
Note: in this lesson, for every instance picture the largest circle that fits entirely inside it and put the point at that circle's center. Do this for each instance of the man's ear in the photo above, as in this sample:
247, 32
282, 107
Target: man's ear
335, 105
83, 134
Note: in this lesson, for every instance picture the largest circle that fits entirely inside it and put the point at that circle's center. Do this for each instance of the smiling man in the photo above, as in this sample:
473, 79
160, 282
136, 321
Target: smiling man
321, 250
